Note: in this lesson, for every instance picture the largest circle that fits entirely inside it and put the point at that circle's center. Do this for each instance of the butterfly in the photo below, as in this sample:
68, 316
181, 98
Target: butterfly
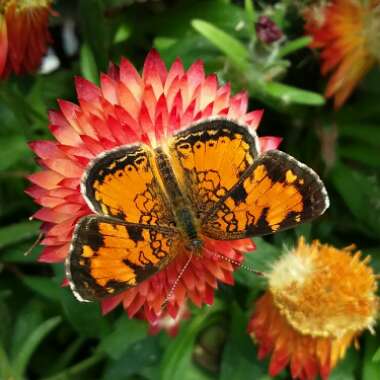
207, 181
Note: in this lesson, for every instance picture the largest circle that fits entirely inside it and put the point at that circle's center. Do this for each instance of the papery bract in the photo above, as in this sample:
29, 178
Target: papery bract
130, 108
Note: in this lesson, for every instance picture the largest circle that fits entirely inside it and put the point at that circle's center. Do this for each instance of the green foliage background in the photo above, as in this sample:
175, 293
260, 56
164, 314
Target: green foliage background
44, 332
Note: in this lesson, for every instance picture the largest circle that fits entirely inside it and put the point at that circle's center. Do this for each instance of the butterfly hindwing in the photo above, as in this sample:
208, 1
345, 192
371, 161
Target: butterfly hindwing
209, 159
122, 183
108, 256
276, 193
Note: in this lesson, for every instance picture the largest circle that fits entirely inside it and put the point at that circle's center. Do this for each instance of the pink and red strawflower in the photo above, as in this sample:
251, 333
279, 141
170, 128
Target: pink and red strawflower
347, 32
125, 109
24, 35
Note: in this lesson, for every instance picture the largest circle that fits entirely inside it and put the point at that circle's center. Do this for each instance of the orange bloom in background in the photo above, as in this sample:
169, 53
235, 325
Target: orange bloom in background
320, 299
347, 32
129, 108
24, 35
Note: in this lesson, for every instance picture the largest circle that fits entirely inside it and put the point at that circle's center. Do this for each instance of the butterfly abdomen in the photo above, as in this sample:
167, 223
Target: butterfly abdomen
185, 219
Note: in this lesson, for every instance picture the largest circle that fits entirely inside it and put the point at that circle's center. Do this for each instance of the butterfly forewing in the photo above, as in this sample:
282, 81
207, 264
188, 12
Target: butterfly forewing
277, 192
122, 183
209, 159
108, 256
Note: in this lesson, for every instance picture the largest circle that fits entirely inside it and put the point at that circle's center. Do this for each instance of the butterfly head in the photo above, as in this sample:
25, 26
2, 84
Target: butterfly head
195, 245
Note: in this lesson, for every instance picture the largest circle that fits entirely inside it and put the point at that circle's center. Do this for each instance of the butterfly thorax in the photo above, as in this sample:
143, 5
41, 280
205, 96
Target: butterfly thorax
184, 216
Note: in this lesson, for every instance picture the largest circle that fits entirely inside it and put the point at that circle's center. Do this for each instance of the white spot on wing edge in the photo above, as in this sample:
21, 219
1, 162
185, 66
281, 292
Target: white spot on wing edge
67, 266
223, 118
311, 172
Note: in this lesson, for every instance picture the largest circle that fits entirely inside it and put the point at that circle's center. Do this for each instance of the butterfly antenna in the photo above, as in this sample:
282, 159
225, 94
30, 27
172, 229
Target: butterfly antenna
237, 263
34, 245
180, 274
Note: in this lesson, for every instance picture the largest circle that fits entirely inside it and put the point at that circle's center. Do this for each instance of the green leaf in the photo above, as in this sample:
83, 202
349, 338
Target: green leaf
260, 260
73, 371
12, 149
367, 133
163, 43
44, 286
85, 317
346, 368
16, 233
21, 360
376, 356
230, 46
6, 371
289, 94
250, 10
125, 332
177, 360
371, 368
24, 252
5, 326
361, 195
139, 358
122, 34
239, 356
364, 154
29, 317
88, 66
293, 46
94, 29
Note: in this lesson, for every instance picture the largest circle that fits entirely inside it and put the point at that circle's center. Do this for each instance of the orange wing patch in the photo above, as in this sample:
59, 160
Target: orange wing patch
276, 193
108, 256
122, 184
209, 159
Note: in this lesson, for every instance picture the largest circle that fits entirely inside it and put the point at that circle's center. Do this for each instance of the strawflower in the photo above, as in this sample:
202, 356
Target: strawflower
320, 299
130, 108
347, 32
24, 35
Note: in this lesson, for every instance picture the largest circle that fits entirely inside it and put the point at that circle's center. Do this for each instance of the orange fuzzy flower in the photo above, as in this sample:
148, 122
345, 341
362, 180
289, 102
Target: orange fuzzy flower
130, 108
347, 32
319, 301
24, 35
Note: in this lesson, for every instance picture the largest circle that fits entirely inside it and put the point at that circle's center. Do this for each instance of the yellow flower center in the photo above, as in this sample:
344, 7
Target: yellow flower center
372, 30
323, 291
23, 4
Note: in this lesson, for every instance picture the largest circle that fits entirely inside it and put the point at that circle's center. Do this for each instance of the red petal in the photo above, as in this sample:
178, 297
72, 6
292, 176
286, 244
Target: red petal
86, 90
269, 142
46, 179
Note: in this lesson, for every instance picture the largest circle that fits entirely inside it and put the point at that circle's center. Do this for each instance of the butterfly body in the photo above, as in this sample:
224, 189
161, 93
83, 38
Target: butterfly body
208, 181
184, 217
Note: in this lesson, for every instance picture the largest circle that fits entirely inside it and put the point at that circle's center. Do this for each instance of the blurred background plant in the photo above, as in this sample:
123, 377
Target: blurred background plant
258, 46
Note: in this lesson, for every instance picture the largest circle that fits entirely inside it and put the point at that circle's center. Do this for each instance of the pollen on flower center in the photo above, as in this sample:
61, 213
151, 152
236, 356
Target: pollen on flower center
323, 291
372, 31
25, 4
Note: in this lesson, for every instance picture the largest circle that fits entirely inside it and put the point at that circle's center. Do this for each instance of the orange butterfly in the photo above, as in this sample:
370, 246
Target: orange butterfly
208, 180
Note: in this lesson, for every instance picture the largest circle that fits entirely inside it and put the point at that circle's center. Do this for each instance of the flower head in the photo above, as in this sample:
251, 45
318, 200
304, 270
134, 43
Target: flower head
267, 31
347, 31
24, 35
319, 300
129, 108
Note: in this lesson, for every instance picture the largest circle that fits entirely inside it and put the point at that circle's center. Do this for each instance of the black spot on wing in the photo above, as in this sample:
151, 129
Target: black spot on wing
135, 233
239, 195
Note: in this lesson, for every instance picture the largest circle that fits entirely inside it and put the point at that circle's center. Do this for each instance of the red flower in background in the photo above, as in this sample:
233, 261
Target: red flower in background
24, 35
347, 32
129, 108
